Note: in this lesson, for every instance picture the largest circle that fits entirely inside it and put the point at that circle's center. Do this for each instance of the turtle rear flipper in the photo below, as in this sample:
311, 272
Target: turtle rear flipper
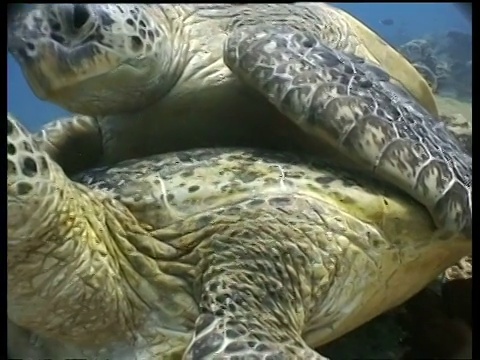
353, 105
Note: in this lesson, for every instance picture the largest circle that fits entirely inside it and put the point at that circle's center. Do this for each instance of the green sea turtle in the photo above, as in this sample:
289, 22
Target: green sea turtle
166, 77
331, 98
206, 254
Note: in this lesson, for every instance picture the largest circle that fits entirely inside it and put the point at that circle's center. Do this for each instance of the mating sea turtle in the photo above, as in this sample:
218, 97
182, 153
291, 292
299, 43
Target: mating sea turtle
159, 78
206, 254
301, 63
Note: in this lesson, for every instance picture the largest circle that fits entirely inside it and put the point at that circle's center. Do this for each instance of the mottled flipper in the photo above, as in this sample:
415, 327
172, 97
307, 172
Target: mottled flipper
75, 142
35, 183
249, 304
223, 338
352, 105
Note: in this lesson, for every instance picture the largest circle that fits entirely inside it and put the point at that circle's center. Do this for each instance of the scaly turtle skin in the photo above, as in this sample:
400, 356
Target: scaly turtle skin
206, 254
166, 77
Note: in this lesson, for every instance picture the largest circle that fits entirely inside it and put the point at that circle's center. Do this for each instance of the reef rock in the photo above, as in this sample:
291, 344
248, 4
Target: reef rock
445, 60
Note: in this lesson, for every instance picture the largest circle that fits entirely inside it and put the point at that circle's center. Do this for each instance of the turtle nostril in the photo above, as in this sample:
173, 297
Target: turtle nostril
80, 16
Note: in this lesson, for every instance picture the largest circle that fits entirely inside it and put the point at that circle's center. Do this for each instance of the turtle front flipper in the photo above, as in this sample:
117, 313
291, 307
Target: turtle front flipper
250, 300
353, 106
221, 337
62, 282
75, 142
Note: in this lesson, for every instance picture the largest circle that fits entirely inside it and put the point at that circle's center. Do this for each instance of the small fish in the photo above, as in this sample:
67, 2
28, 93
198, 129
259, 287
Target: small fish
387, 22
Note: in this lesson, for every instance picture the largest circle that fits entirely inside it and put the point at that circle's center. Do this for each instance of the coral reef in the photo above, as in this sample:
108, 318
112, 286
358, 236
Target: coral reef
445, 60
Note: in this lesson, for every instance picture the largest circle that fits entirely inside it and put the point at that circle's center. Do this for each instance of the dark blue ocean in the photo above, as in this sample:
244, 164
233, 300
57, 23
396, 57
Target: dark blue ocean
395, 22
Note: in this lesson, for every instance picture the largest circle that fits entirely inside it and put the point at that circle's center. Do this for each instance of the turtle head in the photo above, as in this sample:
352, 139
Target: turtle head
94, 59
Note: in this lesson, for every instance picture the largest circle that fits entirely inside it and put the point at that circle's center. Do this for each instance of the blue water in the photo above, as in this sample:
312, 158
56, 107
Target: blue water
411, 21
